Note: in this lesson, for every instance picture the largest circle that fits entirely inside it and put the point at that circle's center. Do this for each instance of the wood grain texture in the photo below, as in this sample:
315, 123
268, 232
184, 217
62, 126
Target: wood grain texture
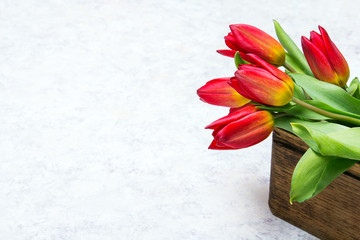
332, 214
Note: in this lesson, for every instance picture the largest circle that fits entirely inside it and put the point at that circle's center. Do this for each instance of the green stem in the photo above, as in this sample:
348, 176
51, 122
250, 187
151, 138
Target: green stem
353, 121
279, 115
288, 67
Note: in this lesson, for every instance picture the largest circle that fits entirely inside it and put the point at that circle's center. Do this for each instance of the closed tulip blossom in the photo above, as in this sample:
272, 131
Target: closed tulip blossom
249, 39
263, 83
243, 127
219, 92
324, 58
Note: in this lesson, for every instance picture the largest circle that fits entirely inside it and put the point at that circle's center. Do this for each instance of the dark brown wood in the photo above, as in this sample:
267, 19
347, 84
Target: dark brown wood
332, 214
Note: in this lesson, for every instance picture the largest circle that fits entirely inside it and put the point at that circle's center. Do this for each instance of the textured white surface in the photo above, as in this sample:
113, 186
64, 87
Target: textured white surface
101, 131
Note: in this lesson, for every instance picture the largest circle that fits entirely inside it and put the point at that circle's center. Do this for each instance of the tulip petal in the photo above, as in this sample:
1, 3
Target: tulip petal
216, 145
235, 85
252, 58
219, 92
226, 52
232, 110
316, 39
318, 62
335, 57
247, 131
243, 111
230, 41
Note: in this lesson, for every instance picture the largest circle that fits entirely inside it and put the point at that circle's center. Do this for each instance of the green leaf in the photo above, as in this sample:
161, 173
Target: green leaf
314, 173
276, 109
328, 93
354, 88
325, 127
328, 108
284, 122
293, 63
305, 113
238, 60
294, 52
295, 110
299, 92
344, 143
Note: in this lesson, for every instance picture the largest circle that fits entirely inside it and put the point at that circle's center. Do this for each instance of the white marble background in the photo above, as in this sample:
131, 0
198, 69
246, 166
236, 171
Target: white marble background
101, 132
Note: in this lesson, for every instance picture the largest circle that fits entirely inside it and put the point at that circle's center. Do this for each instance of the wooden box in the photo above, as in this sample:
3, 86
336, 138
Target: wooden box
332, 214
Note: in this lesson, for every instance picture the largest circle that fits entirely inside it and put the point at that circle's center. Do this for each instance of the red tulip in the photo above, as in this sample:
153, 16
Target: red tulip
219, 92
248, 39
325, 60
232, 44
262, 82
242, 128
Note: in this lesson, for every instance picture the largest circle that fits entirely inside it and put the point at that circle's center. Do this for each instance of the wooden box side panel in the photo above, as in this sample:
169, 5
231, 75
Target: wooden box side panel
332, 214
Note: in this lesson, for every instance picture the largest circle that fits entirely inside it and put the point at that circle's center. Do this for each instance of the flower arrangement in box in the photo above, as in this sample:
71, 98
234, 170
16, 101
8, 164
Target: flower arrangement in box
310, 98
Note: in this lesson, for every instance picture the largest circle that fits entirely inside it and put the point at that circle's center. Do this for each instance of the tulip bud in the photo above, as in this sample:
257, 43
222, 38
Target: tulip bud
248, 39
324, 58
219, 92
262, 83
242, 128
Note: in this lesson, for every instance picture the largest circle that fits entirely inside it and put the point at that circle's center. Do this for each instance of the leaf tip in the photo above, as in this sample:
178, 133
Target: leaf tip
277, 24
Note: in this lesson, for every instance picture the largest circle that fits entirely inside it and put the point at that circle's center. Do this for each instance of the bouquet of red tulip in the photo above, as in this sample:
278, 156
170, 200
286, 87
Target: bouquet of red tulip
310, 98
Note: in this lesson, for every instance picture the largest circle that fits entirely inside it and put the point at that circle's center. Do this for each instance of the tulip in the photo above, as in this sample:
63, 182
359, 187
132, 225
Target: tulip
248, 39
243, 127
232, 44
325, 60
219, 92
262, 82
